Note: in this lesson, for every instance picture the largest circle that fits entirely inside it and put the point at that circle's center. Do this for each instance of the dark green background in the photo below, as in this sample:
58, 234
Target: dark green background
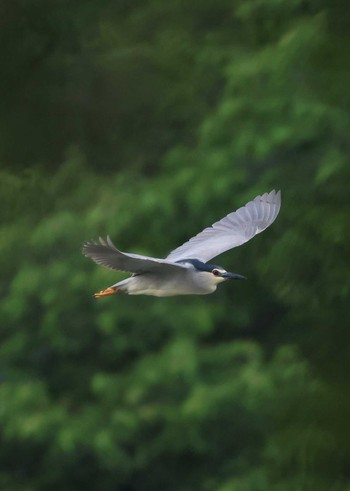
149, 120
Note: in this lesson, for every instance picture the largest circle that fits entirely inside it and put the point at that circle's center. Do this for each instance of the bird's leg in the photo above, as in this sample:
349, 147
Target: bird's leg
106, 292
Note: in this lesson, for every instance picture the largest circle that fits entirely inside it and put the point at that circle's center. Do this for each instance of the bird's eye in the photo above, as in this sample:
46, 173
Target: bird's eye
216, 272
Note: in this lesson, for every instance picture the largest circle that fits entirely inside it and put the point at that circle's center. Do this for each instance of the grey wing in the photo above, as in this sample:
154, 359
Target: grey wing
107, 255
233, 230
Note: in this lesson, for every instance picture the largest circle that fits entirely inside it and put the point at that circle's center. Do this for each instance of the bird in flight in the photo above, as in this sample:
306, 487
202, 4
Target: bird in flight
186, 270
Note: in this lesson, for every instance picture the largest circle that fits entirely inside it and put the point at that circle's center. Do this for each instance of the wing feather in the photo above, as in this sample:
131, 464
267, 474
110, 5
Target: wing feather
107, 255
231, 231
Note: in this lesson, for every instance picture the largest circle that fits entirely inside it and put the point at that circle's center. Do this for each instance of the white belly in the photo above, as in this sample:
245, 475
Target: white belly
159, 287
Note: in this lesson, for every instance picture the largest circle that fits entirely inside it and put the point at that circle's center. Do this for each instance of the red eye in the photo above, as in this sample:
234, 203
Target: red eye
216, 272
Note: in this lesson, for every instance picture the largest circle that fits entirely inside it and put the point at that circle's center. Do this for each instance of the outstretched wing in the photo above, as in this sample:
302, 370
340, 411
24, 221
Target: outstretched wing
231, 231
106, 254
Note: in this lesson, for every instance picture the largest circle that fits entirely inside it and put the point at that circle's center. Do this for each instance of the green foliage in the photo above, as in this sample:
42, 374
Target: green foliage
148, 121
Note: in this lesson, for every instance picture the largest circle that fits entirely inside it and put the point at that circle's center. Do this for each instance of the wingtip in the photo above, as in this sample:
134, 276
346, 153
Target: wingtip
276, 193
88, 243
100, 242
85, 245
274, 196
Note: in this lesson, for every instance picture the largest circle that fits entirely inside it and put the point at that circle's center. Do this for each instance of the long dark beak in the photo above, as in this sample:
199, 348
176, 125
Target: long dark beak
233, 276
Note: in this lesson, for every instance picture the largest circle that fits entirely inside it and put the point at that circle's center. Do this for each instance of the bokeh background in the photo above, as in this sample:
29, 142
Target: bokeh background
149, 120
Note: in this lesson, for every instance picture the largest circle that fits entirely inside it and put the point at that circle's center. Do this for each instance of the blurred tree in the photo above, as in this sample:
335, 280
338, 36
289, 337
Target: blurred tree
128, 119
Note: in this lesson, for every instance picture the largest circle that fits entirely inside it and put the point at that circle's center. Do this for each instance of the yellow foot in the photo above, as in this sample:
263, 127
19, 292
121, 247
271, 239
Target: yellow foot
105, 293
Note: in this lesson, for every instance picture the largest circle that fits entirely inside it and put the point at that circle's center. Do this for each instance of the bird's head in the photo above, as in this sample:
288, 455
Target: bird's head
218, 274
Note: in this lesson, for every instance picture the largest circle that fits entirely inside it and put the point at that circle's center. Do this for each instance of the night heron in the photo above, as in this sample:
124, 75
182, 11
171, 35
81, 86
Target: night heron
185, 270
